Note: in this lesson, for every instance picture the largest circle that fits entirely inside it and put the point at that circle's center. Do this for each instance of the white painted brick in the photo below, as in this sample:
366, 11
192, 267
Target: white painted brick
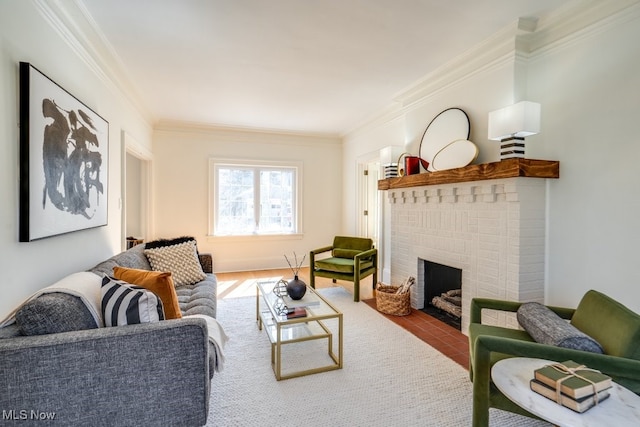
494, 231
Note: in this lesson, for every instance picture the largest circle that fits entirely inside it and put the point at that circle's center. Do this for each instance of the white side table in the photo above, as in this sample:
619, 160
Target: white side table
512, 377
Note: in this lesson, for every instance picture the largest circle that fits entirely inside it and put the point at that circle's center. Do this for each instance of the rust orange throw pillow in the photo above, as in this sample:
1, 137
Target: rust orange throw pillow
158, 282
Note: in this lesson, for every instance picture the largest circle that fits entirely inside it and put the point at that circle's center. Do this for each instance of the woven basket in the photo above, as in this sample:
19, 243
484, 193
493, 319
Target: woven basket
389, 302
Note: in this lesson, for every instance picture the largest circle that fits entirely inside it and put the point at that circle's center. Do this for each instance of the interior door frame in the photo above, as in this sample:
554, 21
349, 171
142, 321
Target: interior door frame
368, 197
132, 147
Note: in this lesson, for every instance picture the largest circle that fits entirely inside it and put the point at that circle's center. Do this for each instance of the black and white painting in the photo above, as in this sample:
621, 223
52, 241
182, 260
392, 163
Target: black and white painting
64, 153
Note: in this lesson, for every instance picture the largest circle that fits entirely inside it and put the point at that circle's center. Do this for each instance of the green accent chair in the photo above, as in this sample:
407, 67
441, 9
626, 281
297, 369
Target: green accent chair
352, 259
613, 325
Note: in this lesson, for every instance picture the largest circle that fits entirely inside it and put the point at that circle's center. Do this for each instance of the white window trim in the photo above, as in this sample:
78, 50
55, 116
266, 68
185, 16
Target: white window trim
213, 162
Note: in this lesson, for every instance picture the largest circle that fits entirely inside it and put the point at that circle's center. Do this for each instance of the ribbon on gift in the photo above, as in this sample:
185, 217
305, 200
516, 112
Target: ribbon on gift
573, 372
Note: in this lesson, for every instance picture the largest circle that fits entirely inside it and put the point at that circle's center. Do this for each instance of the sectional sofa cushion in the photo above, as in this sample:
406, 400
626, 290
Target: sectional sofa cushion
158, 282
127, 304
52, 313
547, 327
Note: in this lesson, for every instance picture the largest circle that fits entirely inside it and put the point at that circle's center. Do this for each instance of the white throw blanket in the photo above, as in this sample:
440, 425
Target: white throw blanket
217, 337
84, 285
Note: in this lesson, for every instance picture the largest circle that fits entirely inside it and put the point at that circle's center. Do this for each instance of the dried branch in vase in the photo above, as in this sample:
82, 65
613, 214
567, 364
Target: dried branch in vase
297, 264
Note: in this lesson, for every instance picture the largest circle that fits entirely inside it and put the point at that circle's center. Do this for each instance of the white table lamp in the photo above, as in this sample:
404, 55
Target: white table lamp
510, 126
389, 160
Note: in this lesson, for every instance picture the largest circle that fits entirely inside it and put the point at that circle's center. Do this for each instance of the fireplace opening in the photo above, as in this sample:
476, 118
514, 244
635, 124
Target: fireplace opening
442, 292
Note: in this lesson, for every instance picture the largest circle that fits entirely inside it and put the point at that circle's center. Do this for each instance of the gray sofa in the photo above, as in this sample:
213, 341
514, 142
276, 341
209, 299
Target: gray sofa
145, 374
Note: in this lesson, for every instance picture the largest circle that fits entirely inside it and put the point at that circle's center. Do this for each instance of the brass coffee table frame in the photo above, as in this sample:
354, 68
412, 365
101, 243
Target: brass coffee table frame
282, 331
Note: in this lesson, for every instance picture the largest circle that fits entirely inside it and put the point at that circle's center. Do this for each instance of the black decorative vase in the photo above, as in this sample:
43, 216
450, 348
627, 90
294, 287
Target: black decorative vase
296, 288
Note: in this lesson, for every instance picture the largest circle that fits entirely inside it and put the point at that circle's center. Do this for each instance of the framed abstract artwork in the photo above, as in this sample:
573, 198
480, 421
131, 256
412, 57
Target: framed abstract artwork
64, 160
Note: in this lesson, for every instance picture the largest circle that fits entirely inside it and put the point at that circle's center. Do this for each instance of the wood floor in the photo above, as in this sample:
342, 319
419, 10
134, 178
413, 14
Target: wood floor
446, 339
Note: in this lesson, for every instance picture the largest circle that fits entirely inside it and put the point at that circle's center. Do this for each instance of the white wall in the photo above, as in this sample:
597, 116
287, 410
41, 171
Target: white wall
25, 35
181, 191
589, 89
477, 94
588, 82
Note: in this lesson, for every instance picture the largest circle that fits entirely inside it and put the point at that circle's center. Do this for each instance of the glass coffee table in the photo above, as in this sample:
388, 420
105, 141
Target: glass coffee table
321, 322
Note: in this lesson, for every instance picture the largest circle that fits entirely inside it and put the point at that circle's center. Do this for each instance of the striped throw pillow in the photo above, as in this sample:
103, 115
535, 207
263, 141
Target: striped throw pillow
126, 304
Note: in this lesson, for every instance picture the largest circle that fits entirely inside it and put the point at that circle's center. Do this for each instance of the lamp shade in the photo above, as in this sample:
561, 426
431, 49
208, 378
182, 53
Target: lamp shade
389, 160
517, 120
390, 154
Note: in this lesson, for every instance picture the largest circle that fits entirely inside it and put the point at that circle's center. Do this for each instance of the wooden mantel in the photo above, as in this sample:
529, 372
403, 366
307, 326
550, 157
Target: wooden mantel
509, 168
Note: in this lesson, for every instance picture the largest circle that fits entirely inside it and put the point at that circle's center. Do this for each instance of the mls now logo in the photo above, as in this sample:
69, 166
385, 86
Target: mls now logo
23, 414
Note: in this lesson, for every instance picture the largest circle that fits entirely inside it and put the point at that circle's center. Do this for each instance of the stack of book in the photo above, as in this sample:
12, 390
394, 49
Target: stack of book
576, 393
293, 313
298, 308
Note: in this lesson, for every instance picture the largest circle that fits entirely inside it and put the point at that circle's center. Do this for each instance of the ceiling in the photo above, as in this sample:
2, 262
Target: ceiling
312, 66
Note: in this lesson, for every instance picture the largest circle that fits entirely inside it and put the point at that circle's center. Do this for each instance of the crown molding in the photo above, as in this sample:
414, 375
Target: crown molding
495, 52
461, 67
246, 134
521, 40
134, 146
576, 21
515, 44
73, 23
381, 118
523, 37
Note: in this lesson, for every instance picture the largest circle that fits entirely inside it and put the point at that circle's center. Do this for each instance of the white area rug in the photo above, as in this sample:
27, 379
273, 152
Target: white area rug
390, 377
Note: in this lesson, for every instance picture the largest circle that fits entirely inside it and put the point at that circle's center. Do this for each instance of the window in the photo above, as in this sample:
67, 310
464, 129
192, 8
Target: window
255, 199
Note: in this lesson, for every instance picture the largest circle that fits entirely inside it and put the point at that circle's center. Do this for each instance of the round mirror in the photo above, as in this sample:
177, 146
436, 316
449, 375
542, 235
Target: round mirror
456, 154
450, 125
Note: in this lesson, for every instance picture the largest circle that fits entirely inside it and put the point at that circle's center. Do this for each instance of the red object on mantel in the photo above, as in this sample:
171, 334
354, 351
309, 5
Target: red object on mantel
411, 165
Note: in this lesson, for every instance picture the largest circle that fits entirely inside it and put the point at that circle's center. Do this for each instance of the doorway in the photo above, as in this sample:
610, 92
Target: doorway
136, 190
369, 201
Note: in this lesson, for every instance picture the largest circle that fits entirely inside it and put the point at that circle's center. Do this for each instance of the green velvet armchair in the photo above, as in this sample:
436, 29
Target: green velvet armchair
352, 259
613, 325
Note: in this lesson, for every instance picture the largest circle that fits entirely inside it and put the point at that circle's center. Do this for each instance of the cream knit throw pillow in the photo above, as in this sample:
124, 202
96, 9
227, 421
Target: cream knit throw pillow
181, 260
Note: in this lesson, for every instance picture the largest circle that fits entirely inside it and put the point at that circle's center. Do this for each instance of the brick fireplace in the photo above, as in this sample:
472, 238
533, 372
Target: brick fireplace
491, 229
